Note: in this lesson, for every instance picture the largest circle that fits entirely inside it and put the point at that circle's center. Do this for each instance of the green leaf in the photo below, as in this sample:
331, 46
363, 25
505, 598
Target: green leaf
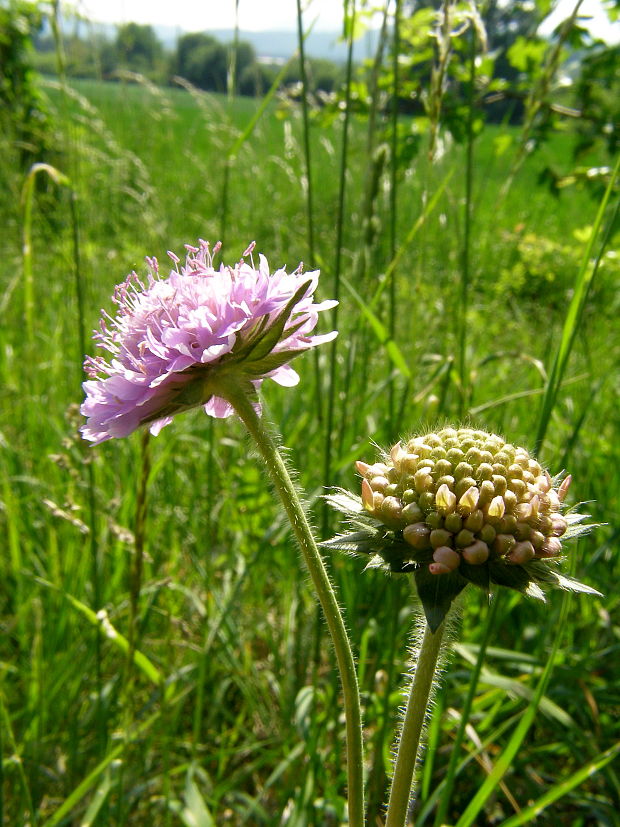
270, 362
574, 313
545, 574
513, 577
195, 813
345, 502
436, 593
98, 800
273, 334
478, 575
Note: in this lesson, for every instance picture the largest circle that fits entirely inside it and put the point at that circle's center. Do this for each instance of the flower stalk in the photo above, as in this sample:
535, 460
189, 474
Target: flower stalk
207, 337
452, 508
410, 736
266, 444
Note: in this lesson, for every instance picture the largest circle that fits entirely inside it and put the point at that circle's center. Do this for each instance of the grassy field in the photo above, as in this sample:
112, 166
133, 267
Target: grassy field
229, 712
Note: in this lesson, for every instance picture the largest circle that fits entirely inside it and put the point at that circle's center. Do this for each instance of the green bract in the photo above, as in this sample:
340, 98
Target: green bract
458, 506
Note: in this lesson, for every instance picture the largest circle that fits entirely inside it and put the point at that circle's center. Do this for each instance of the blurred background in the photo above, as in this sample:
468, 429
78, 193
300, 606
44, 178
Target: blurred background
452, 171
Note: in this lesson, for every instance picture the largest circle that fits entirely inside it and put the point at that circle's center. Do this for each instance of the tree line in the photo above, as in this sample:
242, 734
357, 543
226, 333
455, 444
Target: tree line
199, 58
492, 67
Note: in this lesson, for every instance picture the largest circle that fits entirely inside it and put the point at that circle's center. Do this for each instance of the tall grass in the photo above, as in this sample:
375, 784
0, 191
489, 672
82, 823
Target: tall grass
225, 716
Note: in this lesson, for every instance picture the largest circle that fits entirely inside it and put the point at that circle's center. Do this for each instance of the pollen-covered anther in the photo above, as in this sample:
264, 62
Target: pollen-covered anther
417, 535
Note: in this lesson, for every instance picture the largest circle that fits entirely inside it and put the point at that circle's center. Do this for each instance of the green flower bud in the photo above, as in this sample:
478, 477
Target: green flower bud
440, 537
417, 535
453, 523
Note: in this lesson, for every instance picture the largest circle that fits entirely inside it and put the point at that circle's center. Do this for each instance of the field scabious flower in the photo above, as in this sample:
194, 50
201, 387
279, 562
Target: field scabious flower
173, 340
458, 506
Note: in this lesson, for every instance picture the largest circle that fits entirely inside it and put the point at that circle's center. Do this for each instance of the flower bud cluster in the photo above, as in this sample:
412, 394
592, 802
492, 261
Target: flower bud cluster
466, 495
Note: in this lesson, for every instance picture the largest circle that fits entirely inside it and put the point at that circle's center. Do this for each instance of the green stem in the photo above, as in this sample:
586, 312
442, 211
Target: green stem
393, 204
237, 397
349, 8
465, 390
409, 743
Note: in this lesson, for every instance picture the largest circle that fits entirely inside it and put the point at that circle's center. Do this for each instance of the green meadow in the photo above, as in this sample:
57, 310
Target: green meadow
163, 660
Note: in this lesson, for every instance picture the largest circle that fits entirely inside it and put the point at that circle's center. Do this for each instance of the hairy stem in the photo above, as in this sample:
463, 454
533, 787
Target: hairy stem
409, 742
268, 449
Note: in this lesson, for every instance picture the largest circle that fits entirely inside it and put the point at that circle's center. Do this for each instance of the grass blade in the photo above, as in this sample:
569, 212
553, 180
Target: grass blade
380, 331
444, 801
505, 760
102, 621
583, 283
564, 787
88, 783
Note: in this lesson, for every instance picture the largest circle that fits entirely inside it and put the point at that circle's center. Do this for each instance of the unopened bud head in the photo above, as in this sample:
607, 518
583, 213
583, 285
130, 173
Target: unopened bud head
466, 492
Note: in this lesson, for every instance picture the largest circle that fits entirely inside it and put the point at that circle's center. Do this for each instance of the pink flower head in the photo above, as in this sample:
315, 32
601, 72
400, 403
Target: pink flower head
171, 339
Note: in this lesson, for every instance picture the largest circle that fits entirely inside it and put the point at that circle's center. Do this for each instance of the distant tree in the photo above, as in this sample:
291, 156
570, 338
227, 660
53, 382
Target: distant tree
597, 96
256, 79
322, 74
137, 47
245, 57
205, 62
325, 76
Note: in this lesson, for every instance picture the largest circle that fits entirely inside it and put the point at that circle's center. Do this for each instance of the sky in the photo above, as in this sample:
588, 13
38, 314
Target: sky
198, 15
257, 15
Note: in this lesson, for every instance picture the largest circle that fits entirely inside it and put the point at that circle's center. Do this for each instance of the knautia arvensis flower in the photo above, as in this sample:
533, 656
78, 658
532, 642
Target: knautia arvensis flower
172, 338
458, 506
